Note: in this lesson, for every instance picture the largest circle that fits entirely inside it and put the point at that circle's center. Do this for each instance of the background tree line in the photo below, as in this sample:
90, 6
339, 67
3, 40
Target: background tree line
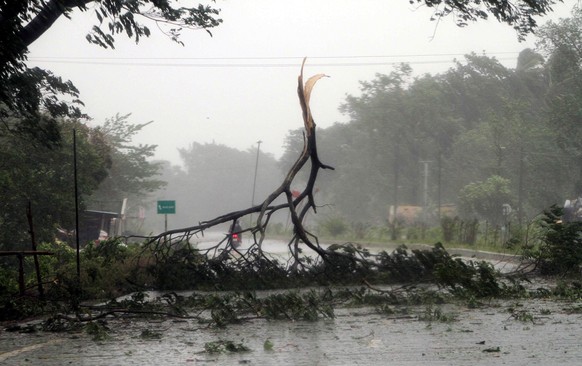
38, 111
212, 180
489, 134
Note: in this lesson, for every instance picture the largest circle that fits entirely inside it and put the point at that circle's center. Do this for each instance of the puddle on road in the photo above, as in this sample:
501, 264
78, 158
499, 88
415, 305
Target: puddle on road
547, 333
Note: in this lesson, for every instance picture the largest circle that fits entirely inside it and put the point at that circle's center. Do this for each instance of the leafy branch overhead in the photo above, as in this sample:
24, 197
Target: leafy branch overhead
519, 14
26, 93
121, 17
23, 22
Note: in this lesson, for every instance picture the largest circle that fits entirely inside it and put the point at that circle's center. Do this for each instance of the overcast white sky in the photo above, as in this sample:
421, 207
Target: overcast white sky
239, 86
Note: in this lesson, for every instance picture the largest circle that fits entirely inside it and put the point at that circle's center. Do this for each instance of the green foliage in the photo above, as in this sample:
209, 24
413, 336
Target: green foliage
268, 345
449, 227
223, 309
522, 15
121, 19
98, 331
333, 226
523, 316
106, 251
31, 104
478, 122
150, 334
402, 266
485, 199
108, 271
27, 93
43, 177
561, 41
436, 314
8, 278
12, 307
344, 264
108, 168
225, 346
232, 308
561, 249
568, 290
295, 306
106, 267
478, 279
131, 174
60, 324
183, 269
492, 350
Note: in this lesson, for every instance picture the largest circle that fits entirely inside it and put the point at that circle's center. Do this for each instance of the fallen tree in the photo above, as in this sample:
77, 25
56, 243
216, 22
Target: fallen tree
169, 262
298, 206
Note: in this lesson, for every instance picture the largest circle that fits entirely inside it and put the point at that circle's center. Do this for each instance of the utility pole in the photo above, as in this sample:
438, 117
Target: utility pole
75, 179
255, 179
425, 187
439, 181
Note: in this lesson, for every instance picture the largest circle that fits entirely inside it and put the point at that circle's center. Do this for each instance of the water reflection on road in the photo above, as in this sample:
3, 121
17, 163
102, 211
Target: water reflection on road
482, 336
279, 249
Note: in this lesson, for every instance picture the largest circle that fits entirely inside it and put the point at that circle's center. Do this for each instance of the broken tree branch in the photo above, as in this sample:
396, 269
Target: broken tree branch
162, 243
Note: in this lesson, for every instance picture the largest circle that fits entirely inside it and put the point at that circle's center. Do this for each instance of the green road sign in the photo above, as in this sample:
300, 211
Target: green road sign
166, 207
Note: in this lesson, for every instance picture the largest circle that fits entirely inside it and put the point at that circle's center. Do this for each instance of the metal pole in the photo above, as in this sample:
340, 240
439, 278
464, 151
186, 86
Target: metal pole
76, 203
425, 186
34, 248
255, 179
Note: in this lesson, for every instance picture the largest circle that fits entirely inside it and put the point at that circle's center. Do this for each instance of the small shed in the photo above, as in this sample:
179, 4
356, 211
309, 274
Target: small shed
98, 225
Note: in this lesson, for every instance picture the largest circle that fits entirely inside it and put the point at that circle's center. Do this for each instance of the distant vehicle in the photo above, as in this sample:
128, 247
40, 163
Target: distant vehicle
235, 235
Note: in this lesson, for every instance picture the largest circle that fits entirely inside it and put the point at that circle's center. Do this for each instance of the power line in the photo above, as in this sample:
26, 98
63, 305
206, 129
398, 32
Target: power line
140, 61
269, 57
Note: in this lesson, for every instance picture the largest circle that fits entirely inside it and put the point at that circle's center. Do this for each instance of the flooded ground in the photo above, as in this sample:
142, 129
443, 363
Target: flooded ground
507, 333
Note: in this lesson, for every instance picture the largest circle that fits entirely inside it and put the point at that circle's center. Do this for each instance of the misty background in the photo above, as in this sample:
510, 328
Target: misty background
413, 114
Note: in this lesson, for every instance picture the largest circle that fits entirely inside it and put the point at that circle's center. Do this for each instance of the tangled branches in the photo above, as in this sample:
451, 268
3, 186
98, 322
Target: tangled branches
163, 245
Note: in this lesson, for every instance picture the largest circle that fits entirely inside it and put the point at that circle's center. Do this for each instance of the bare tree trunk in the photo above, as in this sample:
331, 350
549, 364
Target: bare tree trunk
29, 33
34, 249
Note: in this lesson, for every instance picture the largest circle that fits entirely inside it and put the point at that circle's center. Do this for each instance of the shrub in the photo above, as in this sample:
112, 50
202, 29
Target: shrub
334, 226
561, 248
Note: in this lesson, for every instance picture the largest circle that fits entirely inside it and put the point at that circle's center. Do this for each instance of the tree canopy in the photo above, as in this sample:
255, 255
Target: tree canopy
34, 102
110, 168
23, 22
480, 121
25, 92
519, 14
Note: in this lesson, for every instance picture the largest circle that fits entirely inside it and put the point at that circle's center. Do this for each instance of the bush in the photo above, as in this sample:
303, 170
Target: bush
561, 249
449, 226
334, 226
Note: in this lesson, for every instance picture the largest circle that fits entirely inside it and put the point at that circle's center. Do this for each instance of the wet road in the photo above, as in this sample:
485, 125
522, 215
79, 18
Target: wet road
549, 335
484, 336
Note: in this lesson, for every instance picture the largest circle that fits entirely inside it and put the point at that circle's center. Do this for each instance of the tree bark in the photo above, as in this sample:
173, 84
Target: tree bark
40, 23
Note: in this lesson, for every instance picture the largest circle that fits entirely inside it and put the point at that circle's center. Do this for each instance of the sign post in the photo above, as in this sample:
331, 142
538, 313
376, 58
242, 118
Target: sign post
165, 208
